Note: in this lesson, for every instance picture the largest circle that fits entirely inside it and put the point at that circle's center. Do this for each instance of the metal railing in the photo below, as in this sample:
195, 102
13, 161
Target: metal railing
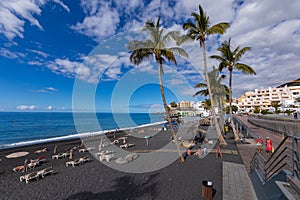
286, 156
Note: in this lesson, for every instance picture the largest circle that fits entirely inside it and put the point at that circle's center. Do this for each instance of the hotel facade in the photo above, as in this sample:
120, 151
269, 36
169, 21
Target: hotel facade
263, 99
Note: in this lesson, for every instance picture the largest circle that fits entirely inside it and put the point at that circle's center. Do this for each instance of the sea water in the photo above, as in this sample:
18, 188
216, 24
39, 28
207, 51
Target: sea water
24, 128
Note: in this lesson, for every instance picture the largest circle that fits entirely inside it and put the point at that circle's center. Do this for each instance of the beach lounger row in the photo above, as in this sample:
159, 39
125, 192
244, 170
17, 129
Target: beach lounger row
78, 161
86, 149
61, 155
105, 155
32, 164
127, 145
36, 175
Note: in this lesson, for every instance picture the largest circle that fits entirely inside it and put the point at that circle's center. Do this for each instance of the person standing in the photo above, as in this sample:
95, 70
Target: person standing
268, 145
295, 115
218, 152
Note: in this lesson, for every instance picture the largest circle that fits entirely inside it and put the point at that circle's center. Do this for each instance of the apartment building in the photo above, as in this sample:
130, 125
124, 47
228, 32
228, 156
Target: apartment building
264, 98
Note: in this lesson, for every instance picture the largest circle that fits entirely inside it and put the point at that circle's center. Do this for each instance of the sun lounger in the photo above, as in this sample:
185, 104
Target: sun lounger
84, 159
44, 172
29, 177
106, 157
123, 138
18, 168
73, 162
127, 159
187, 144
42, 159
127, 145
105, 144
115, 142
66, 154
83, 150
86, 149
57, 156
33, 164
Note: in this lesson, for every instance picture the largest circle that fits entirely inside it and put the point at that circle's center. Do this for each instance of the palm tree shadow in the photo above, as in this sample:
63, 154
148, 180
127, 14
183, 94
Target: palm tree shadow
125, 188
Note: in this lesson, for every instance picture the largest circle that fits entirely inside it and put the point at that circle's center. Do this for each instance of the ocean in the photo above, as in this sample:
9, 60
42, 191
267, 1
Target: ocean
25, 128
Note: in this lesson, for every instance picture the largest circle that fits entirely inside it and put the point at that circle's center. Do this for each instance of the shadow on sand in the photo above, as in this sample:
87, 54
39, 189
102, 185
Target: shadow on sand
125, 188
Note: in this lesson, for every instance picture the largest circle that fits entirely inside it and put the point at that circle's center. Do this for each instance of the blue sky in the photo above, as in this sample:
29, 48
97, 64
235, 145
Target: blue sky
50, 49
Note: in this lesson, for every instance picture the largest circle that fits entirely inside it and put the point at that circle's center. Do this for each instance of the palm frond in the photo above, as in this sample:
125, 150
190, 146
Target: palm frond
179, 51
169, 55
219, 28
202, 93
139, 55
217, 57
172, 35
241, 52
200, 85
245, 69
183, 39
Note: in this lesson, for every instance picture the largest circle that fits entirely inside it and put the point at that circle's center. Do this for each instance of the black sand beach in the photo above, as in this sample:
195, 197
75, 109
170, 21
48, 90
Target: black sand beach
95, 180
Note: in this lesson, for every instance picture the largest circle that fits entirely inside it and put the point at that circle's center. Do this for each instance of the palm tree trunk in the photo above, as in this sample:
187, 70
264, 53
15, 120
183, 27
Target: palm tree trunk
221, 113
181, 159
230, 107
220, 137
230, 95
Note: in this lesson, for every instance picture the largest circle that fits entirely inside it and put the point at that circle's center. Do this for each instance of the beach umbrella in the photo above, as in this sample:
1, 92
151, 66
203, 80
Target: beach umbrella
100, 145
71, 154
147, 137
55, 149
25, 165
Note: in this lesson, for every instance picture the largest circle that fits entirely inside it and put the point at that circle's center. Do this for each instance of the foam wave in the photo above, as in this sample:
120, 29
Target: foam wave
72, 136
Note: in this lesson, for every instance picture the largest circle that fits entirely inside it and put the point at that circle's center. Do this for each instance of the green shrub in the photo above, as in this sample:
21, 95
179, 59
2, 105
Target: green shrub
264, 112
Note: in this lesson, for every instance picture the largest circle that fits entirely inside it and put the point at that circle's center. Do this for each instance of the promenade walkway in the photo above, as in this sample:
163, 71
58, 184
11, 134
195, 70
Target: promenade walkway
236, 183
258, 131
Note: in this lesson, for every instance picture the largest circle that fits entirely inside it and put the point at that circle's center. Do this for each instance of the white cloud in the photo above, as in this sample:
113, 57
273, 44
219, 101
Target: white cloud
271, 28
101, 20
11, 55
50, 107
46, 90
25, 107
35, 63
62, 5
14, 14
92, 67
43, 54
51, 89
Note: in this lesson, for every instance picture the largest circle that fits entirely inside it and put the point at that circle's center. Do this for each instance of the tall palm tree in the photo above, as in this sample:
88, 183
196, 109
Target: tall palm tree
156, 46
230, 59
198, 30
219, 91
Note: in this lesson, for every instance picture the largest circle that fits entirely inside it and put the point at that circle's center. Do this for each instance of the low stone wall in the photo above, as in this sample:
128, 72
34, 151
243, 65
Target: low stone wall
291, 127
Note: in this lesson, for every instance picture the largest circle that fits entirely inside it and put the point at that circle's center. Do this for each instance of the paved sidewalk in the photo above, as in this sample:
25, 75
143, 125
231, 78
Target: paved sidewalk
236, 183
258, 131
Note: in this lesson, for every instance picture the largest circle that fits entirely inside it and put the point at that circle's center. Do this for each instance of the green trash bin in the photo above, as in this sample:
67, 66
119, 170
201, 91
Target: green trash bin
207, 190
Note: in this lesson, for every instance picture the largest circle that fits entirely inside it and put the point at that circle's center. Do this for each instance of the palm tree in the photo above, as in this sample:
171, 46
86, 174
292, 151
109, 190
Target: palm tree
230, 60
219, 91
155, 46
207, 104
198, 31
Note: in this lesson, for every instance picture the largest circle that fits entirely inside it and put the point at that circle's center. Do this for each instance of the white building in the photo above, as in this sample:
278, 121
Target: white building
284, 95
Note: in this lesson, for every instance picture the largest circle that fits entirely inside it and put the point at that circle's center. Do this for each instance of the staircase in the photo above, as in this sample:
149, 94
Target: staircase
278, 177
